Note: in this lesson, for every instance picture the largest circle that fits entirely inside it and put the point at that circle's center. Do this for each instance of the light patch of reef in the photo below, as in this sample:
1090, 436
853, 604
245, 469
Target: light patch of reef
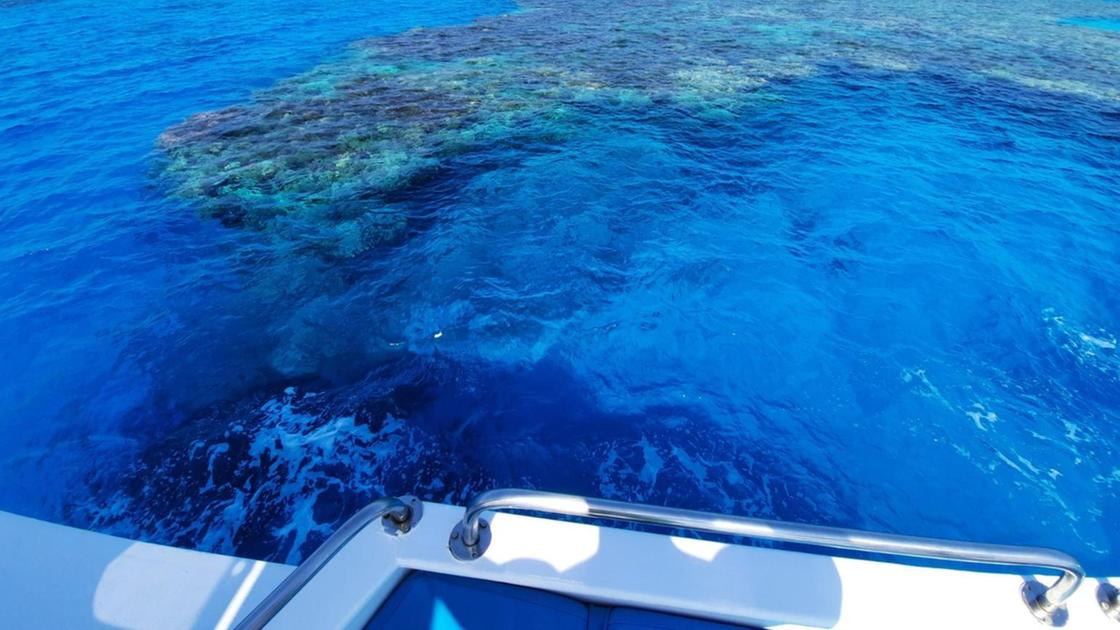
320, 162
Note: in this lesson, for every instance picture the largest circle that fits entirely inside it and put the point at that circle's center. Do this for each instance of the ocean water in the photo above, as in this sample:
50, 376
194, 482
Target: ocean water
849, 263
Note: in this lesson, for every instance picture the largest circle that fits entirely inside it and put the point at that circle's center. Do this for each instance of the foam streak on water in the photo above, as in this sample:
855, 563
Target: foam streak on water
851, 263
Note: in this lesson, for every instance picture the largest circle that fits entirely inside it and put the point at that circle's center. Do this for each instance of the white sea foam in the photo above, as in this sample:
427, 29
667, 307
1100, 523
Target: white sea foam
982, 416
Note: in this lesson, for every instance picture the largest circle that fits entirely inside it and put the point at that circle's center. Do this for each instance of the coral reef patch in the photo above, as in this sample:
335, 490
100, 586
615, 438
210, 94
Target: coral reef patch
324, 161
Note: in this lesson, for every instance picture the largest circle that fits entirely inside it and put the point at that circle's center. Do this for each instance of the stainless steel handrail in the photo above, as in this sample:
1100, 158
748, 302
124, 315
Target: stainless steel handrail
471, 537
399, 515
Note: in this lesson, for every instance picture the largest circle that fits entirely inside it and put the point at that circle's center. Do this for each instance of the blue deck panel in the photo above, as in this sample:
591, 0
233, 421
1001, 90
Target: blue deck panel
428, 601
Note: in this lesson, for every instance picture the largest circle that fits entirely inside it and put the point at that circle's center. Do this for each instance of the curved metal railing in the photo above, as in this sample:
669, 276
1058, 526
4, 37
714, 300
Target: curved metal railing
399, 515
470, 538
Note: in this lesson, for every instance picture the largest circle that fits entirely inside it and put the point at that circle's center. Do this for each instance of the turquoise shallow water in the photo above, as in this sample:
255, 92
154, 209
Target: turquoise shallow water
845, 263
1105, 24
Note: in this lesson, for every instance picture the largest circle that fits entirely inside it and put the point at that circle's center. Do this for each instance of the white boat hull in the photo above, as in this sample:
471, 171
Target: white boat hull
57, 577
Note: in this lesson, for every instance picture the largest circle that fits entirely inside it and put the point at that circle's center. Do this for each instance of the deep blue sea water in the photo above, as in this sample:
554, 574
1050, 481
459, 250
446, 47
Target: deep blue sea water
852, 263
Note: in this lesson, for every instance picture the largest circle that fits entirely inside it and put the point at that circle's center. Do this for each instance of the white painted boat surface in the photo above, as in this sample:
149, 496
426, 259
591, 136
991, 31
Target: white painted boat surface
70, 578
58, 577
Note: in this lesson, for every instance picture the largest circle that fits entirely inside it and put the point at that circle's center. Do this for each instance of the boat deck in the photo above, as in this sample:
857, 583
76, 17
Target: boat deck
575, 575
430, 601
